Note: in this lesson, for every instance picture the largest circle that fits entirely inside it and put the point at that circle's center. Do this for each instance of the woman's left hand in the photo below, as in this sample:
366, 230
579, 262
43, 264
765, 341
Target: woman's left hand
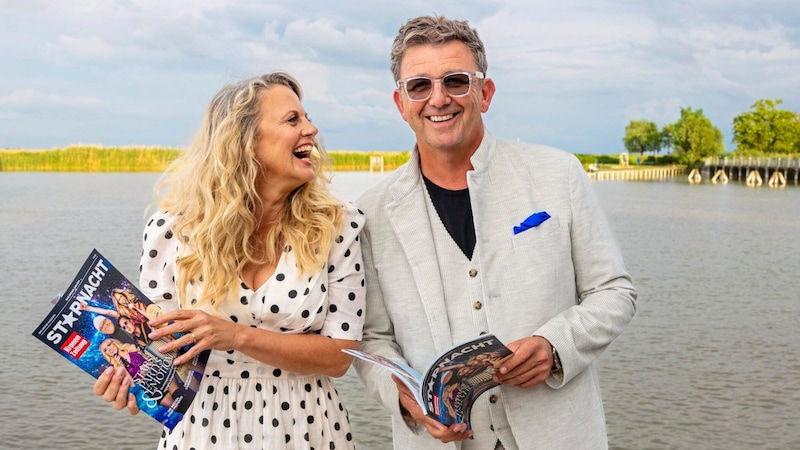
199, 328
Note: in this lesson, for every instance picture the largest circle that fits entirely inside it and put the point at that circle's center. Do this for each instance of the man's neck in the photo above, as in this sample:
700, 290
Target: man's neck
448, 167
446, 170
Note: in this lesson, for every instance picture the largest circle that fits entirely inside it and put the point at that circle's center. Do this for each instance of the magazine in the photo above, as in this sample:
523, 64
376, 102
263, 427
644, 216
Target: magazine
101, 321
453, 381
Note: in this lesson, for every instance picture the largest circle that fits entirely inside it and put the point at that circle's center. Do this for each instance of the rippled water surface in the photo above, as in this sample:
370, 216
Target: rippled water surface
710, 361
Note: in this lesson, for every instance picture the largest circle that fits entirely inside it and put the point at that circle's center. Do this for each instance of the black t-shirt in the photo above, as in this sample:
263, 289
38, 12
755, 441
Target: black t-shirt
455, 212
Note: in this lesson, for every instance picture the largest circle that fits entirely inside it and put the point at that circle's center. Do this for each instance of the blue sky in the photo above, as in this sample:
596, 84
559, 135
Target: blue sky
569, 73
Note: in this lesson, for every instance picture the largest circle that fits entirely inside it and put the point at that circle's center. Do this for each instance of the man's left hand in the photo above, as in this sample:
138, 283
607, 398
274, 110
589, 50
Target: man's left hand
529, 365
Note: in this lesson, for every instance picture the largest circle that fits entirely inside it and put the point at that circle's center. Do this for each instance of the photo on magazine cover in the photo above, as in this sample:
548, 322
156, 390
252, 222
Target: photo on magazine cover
102, 321
449, 386
461, 376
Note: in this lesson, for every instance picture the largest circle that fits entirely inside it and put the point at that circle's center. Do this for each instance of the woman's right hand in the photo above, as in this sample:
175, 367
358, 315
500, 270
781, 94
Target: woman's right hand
113, 386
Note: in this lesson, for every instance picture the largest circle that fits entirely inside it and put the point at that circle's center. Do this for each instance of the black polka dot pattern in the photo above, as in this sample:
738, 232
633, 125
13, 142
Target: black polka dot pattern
241, 402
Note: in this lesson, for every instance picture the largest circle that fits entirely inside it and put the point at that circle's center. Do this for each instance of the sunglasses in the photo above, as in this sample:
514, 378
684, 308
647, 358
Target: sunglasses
456, 84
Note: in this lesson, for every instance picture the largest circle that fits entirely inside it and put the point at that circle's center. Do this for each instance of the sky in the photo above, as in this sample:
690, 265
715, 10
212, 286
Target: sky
570, 73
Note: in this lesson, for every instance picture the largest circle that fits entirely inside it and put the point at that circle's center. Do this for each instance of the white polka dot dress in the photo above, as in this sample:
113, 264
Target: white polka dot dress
243, 403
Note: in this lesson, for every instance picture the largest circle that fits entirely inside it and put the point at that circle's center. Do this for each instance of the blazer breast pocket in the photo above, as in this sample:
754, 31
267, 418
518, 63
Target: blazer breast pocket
547, 234
535, 269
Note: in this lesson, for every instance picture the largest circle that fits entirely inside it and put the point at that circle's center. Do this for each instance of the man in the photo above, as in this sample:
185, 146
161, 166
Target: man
106, 326
478, 235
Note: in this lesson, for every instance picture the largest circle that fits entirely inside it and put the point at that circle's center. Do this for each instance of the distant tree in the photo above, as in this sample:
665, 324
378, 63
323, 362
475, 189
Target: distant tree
666, 137
642, 136
694, 137
765, 129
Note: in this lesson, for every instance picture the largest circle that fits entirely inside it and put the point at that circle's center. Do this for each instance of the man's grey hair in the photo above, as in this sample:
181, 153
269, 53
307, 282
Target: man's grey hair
436, 30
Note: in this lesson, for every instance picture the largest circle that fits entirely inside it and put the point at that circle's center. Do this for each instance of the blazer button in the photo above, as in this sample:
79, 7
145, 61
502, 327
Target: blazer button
477, 305
492, 399
473, 273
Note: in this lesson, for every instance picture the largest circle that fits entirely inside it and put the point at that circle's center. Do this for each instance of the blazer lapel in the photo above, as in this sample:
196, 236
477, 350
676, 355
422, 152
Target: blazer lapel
408, 216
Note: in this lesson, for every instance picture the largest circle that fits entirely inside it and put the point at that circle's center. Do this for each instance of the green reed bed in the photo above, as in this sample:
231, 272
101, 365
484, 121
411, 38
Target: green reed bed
152, 159
353, 160
88, 159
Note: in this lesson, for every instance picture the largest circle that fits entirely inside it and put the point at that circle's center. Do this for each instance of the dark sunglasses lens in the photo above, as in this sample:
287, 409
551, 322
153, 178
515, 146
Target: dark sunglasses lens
456, 84
418, 88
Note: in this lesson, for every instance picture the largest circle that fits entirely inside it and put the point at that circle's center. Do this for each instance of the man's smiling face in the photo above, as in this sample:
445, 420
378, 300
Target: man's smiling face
443, 122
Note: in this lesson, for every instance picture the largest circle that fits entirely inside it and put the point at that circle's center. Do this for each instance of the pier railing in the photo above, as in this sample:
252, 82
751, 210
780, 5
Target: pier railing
755, 162
775, 172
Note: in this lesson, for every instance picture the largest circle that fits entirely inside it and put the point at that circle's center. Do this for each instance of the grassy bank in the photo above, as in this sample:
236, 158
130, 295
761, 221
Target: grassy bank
156, 159
88, 159
150, 159
351, 160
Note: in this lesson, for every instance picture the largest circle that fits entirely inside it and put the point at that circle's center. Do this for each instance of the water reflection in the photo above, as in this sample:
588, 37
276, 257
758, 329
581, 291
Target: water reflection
710, 360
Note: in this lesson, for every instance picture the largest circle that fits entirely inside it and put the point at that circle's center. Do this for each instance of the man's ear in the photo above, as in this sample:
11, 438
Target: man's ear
487, 89
398, 101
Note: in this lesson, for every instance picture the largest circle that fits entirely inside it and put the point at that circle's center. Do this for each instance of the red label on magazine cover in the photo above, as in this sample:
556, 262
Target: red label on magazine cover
102, 320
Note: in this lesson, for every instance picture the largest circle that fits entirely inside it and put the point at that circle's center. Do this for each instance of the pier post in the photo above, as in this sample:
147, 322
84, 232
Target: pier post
375, 161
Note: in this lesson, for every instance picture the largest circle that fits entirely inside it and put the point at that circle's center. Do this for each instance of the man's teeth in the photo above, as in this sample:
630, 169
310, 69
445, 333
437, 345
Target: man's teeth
441, 118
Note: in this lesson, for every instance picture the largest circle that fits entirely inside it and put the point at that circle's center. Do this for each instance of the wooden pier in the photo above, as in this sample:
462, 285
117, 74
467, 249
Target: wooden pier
638, 174
377, 162
772, 172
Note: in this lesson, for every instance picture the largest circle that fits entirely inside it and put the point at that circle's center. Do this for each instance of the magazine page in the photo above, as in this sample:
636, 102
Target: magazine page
410, 377
101, 321
460, 375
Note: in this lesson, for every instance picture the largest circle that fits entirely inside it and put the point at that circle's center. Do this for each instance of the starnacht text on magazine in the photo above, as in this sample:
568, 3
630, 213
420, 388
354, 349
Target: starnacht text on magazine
68, 319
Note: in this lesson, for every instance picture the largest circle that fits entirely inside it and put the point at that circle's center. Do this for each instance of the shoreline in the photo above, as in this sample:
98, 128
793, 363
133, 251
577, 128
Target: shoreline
157, 159
94, 158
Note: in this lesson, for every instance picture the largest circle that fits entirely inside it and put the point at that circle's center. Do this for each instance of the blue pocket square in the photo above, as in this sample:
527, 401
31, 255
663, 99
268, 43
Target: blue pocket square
534, 220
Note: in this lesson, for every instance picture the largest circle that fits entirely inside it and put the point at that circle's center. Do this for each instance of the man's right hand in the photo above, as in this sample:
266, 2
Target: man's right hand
455, 432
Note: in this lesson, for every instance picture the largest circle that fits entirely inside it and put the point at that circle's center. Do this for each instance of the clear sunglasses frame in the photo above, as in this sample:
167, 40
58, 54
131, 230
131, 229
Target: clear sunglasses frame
403, 84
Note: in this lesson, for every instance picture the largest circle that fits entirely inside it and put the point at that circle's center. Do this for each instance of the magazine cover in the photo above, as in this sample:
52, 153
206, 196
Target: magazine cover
460, 375
453, 381
101, 321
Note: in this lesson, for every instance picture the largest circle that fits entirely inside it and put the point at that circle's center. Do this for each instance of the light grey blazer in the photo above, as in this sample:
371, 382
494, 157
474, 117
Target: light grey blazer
564, 280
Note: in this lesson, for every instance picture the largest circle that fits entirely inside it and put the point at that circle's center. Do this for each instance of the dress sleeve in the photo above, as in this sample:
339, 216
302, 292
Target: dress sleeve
157, 267
346, 296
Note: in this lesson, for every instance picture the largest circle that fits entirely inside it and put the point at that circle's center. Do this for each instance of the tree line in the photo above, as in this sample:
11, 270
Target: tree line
764, 130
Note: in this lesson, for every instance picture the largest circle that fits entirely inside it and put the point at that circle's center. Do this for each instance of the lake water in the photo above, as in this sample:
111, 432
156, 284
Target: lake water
710, 361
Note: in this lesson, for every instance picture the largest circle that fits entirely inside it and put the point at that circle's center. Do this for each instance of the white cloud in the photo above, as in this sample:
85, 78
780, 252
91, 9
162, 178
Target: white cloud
28, 97
660, 111
85, 47
571, 74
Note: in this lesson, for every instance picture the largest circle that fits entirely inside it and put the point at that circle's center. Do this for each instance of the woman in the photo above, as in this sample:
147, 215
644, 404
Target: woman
126, 306
138, 331
129, 359
252, 257
119, 355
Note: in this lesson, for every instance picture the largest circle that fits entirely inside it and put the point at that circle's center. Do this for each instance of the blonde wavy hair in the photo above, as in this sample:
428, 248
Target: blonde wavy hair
212, 195
122, 349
